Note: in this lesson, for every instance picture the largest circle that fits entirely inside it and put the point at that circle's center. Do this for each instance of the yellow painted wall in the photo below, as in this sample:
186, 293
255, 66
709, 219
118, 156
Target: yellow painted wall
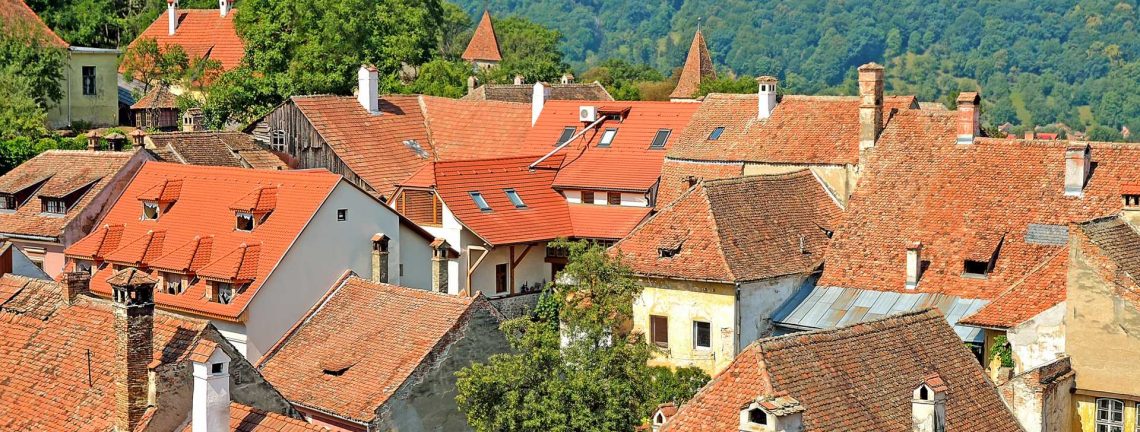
1085, 410
841, 179
1101, 328
683, 302
100, 109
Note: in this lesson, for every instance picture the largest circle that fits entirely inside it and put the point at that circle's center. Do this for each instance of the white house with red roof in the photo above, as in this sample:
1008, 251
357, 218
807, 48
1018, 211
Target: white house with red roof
250, 250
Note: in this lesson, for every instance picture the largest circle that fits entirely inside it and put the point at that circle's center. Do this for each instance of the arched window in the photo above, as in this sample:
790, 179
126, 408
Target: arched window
1109, 415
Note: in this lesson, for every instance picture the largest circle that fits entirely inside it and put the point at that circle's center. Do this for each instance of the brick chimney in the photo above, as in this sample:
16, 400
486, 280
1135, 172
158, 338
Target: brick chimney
74, 284
368, 88
439, 277
913, 264
380, 258
969, 126
928, 405
172, 15
224, 7
870, 104
133, 295
211, 404
767, 96
1078, 164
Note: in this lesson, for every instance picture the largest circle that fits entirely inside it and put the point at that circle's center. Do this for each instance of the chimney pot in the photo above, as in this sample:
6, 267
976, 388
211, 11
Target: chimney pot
928, 405
870, 104
223, 7
1078, 164
380, 258
472, 82
172, 15
969, 125
567, 78
211, 403
519, 80
913, 264
368, 89
537, 101
439, 261
767, 96
93, 139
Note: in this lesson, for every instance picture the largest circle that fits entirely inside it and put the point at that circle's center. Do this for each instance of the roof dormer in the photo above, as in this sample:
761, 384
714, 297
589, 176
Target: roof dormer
58, 200
253, 209
772, 414
158, 199
928, 404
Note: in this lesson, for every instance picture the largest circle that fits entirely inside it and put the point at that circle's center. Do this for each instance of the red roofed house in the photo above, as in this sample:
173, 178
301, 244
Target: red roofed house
399, 373
717, 262
73, 361
55, 199
202, 34
483, 49
698, 68
245, 248
90, 91
902, 373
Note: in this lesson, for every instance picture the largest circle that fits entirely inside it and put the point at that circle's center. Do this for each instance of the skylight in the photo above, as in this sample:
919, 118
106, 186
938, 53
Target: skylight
515, 199
567, 132
715, 135
660, 139
479, 201
607, 137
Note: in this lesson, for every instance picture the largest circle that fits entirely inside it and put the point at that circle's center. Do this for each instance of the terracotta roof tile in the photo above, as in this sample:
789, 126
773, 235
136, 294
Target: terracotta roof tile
524, 93
464, 130
678, 176
484, 45
611, 222
202, 33
1041, 289
737, 230
159, 97
17, 14
228, 149
400, 327
698, 67
857, 378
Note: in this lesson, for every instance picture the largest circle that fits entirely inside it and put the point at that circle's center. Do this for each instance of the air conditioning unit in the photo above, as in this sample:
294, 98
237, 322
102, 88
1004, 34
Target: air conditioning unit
587, 114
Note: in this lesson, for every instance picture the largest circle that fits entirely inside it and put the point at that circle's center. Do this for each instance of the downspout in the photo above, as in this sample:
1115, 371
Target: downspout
568, 141
68, 82
736, 319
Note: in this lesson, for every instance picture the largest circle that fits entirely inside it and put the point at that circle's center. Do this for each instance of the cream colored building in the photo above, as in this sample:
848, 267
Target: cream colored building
90, 89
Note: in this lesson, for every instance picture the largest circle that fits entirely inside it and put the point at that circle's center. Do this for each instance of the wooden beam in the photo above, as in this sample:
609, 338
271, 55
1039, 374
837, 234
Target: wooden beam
471, 267
515, 263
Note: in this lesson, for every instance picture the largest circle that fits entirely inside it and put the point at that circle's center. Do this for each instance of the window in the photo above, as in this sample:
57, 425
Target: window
277, 140
150, 210
89, 80
567, 132
84, 266
659, 330
500, 278
224, 292
7, 202
976, 268
479, 201
715, 135
668, 252
172, 283
587, 197
217, 368
245, 221
515, 199
757, 416
702, 335
1138, 418
660, 139
56, 206
1109, 415
341, 215
607, 137
613, 198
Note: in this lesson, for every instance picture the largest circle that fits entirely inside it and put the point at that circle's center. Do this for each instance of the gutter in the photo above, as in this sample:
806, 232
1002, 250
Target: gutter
31, 237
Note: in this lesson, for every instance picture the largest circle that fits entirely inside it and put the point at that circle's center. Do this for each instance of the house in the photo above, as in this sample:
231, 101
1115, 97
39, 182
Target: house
717, 262
157, 110
79, 362
483, 49
767, 133
57, 197
246, 248
399, 374
905, 372
88, 81
202, 34
227, 149
697, 69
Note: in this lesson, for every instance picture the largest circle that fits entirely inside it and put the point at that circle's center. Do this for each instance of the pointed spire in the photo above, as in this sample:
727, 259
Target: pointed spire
484, 46
698, 67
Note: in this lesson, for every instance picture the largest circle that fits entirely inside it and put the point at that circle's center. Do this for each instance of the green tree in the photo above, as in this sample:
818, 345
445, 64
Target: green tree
154, 65
20, 114
441, 77
573, 367
528, 49
30, 59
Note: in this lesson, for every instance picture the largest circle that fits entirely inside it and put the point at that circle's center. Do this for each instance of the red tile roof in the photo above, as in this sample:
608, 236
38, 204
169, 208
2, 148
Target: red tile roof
1038, 291
611, 222
398, 327
62, 172
203, 210
202, 33
698, 67
678, 176
801, 129
15, 14
232, 149
961, 202
857, 378
484, 45
248, 419
158, 97
737, 230
463, 129
524, 93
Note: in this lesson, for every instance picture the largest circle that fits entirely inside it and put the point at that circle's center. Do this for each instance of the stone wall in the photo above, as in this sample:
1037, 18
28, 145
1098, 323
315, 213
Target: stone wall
1040, 398
516, 306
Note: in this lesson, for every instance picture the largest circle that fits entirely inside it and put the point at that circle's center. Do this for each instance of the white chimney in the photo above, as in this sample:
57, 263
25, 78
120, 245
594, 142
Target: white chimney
172, 15
767, 96
1078, 162
518, 80
913, 264
224, 7
368, 88
537, 100
211, 410
928, 405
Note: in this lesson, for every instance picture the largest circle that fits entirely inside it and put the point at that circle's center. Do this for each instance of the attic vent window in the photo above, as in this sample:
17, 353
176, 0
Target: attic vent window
336, 369
715, 135
668, 252
567, 132
757, 416
607, 137
245, 221
150, 210
976, 268
217, 368
660, 139
480, 201
515, 199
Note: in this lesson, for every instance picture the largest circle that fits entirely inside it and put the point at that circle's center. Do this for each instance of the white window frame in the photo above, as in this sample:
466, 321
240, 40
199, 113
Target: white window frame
1107, 424
277, 140
696, 331
607, 137
55, 206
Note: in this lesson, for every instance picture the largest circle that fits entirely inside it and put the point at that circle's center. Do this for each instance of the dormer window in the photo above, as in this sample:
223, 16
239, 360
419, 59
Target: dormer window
245, 221
660, 139
54, 205
224, 292
668, 252
715, 135
150, 210
480, 202
7, 202
172, 283
607, 137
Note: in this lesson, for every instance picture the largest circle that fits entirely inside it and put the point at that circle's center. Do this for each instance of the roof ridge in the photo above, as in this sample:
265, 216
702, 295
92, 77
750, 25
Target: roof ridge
757, 178
776, 343
835, 98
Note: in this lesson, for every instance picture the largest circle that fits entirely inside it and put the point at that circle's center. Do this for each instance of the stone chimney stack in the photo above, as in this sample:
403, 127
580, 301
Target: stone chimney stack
519, 80
928, 406
537, 100
74, 284
767, 93
969, 125
439, 277
567, 78
913, 264
380, 258
368, 88
211, 407
224, 7
138, 138
172, 15
133, 295
472, 82
870, 104
93, 139
1078, 163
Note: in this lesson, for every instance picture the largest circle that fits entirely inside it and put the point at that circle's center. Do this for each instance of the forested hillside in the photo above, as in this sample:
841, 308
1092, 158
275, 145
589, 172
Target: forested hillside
1037, 61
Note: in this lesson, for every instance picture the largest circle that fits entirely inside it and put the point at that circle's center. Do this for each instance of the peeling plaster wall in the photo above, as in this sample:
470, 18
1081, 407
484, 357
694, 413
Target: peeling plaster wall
1102, 328
1040, 398
1039, 340
683, 302
759, 300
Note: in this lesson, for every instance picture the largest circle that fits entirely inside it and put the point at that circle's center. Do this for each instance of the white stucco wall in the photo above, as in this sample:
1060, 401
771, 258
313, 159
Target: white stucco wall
759, 300
532, 269
416, 259
627, 198
1039, 340
235, 334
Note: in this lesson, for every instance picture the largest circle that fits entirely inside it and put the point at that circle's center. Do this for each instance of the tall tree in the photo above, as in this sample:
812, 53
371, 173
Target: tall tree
529, 50
29, 59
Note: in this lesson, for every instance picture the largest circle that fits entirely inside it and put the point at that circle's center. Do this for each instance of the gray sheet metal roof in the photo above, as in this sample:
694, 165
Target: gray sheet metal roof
826, 307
